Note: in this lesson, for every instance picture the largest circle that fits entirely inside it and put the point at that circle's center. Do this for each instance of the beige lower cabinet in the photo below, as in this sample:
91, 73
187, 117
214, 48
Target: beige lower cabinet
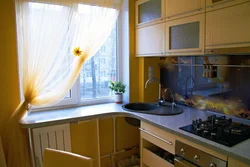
235, 163
156, 146
228, 27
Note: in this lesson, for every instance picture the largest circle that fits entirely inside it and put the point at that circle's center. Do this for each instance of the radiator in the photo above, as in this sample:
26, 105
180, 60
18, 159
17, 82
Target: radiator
56, 137
2, 158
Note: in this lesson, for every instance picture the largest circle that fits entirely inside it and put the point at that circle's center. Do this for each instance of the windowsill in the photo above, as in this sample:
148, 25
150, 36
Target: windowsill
69, 115
81, 104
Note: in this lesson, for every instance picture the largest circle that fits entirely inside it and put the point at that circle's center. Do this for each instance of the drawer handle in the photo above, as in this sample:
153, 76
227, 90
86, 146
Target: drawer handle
166, 141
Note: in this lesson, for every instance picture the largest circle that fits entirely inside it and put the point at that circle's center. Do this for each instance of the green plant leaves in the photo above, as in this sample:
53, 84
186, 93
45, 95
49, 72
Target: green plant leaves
117, 87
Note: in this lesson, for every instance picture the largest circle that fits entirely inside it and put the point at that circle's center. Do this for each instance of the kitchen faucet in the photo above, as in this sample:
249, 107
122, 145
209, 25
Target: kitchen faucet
190, 76
173, 102
155, 79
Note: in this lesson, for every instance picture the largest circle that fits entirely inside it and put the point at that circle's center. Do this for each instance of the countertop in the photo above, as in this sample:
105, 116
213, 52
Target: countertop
171, 124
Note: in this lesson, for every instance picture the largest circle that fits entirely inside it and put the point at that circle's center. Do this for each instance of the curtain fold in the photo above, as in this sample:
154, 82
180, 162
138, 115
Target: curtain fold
47, 33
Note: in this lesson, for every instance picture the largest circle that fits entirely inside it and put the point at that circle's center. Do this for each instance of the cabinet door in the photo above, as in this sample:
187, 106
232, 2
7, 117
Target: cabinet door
228, 27
150, 40
185, 36
235, 163
148, 11
182, 8
218, 4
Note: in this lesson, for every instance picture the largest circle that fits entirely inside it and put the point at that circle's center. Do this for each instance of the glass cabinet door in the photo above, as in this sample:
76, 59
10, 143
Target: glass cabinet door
185, 36
148, 10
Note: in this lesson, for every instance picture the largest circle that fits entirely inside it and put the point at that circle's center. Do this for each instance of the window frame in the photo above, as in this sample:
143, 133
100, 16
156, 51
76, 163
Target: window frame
75, 99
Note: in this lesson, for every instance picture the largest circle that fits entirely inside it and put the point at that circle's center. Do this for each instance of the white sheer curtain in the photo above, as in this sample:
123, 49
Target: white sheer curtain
48, 31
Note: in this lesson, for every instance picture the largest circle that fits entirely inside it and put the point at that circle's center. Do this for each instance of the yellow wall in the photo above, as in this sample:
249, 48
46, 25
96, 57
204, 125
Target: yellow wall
139, 67
9, 96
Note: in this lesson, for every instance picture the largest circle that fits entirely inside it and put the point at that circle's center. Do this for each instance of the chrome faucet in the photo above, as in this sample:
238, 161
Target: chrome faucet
190, 76
173, 102
151, 80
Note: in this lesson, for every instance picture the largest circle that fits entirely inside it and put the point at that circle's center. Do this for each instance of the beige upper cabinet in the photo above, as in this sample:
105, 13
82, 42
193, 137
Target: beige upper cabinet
150, 40
149, 12
185, 36
228, 27
218, 4
175, 9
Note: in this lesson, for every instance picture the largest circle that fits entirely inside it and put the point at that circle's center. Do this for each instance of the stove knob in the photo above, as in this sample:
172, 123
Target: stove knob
183, 152
212, 165
213, 136
196, 158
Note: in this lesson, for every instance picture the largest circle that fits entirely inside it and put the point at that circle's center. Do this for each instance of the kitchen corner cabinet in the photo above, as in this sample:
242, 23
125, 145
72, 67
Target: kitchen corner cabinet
149, 12
234, 163
228, 27
150, 40
182, 8
185, 36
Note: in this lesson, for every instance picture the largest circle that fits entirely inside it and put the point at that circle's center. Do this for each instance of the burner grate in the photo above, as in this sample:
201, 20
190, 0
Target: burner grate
220, 130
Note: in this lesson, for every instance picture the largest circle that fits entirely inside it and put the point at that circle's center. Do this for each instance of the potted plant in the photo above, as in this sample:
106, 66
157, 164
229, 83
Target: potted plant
119, 89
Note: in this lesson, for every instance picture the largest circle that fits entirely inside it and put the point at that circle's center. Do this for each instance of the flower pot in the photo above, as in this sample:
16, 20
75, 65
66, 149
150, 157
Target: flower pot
118, 98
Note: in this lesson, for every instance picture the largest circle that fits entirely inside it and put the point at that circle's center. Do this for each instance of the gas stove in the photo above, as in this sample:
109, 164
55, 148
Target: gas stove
220, 130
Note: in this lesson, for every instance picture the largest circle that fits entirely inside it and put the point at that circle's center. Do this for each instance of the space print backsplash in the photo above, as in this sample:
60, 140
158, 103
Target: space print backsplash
215, 83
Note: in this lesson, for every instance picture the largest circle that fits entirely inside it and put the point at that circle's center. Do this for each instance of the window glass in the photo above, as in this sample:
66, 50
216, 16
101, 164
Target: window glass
98, 70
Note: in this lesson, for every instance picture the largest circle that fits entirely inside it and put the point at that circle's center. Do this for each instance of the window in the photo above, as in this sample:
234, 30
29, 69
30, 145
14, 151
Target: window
92, 84
100, 69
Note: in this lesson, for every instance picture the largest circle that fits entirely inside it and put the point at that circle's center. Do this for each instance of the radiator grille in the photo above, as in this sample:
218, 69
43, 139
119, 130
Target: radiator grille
56, 137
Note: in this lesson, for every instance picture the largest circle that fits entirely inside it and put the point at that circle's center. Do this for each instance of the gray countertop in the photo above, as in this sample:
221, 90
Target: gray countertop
171, 124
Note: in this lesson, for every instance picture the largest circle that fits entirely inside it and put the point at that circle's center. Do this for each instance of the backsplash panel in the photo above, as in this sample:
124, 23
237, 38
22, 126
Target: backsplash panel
228, 92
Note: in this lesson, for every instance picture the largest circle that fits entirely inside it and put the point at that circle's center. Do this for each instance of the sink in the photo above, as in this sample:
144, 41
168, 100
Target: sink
152, 108
139, 106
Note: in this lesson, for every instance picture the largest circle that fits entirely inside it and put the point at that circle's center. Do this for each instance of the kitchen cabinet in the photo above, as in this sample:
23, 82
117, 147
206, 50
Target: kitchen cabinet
228, 27
153, 138
97, 138
235, 163
149, 12
219, 4
185, 36
183, 8
150, 40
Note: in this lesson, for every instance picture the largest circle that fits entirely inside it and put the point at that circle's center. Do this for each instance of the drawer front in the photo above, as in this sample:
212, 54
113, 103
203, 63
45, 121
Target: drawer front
152, 160
158, 137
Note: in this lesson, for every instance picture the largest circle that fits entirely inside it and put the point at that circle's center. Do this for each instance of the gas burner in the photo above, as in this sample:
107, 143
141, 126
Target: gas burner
206, 126
238, 129
219, 129
222, 121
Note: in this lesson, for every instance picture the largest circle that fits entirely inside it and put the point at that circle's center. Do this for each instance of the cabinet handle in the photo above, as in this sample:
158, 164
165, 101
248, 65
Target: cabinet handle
166, 141
184, 13
186, 51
